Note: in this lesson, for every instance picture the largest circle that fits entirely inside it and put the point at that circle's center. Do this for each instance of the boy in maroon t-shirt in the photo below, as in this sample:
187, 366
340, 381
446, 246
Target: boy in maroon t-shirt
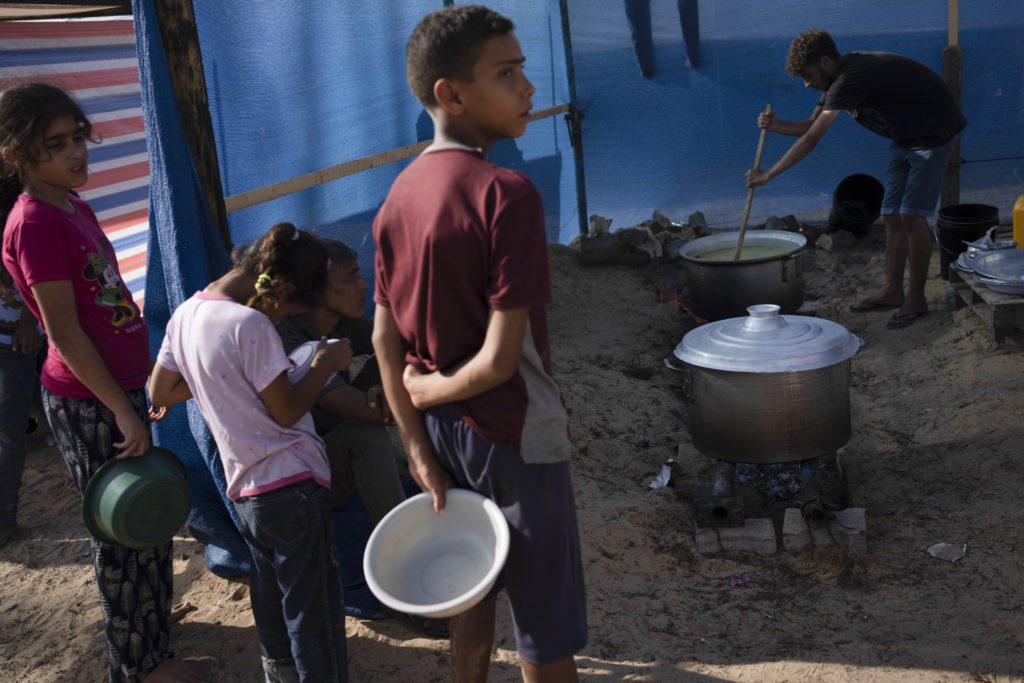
462, 285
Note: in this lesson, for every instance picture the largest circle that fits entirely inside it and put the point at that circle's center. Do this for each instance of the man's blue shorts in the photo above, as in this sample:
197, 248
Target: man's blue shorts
543, 576
913, 180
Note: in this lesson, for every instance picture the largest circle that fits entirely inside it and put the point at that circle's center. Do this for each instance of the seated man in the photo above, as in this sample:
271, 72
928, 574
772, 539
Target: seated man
351, 413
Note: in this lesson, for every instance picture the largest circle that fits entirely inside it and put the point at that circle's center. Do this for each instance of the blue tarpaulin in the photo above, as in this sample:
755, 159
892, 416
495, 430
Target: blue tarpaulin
669, 124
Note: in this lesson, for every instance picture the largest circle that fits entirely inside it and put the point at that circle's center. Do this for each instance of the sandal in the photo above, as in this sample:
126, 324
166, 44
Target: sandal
901, 320
868, 304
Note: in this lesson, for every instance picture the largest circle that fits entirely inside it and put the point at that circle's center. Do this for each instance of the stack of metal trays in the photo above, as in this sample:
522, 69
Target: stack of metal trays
1001, 271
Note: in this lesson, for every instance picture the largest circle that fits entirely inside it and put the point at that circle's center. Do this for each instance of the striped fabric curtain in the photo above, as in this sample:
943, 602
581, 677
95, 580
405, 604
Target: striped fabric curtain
95, 60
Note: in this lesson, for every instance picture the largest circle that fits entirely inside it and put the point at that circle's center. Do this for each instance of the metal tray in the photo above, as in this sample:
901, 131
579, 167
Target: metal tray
1006, 265
1001, 286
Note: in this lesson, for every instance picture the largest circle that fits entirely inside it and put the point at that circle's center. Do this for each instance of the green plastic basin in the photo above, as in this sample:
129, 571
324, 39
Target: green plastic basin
137, 502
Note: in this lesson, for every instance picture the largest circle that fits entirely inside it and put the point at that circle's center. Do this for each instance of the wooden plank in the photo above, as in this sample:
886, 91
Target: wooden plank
188, 82
1002, 314
260, 195
952, 73
954, 23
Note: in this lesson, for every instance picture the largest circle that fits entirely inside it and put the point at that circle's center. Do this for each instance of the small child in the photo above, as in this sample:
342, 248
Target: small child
19, 344
221, 348
462, 285
95, 372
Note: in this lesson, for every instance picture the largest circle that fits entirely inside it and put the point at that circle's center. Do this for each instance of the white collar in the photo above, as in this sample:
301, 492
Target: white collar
442, 146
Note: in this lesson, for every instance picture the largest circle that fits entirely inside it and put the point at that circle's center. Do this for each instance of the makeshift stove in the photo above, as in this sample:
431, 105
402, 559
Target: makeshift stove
816, 486
771, 407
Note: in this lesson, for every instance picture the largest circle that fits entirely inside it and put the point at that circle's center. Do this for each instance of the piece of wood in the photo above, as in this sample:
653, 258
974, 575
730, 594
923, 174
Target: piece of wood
952, 61
177, 22
954, 23
260, 195
750, 190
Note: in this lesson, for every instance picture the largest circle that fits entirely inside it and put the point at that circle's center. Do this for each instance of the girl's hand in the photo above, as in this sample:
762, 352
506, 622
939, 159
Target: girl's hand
766, 120
378, 404
26, 337
136, 435
337, 355
157, 413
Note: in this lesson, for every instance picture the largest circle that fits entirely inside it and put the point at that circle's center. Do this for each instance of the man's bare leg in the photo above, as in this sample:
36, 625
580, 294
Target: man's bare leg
562, 671
919, 254
472, 636
896, 247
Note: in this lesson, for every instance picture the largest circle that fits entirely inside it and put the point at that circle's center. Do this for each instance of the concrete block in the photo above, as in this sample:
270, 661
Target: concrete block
821, 537
755, 536
795, 534
707, 541
849, 530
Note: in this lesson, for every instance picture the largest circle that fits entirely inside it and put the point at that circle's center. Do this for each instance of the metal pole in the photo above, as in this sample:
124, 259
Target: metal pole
574, 119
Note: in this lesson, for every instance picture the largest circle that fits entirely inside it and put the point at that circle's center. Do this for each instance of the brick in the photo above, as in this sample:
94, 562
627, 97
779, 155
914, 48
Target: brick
755, 536
849, 529
707, 541
821, 537
795, 534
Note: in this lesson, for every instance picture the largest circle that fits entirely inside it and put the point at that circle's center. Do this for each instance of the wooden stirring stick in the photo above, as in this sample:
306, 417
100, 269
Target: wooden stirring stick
750, 190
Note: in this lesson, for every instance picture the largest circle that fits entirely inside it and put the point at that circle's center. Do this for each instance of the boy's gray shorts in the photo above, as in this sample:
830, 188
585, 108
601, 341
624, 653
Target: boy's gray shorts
543, 576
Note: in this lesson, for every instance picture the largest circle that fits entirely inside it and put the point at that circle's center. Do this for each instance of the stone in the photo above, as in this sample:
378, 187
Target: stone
755, 536
834, 241
707, 541
599, 225
821, 537
811, 232
795, 534
661, 220
697, 222
849, 530
788, 223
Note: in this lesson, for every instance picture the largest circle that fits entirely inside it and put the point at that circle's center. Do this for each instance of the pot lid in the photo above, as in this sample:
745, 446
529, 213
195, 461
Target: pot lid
766, 341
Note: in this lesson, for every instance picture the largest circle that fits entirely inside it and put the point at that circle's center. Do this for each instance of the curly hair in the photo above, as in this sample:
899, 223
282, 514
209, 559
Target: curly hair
26, 111
447, 44
340, 253
283, 255
807, 48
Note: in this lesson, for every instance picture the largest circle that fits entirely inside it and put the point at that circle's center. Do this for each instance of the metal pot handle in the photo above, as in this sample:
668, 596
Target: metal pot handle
673, 364
785, 265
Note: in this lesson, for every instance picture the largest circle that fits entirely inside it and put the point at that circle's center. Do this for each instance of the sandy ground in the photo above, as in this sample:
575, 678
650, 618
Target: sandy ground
934, 456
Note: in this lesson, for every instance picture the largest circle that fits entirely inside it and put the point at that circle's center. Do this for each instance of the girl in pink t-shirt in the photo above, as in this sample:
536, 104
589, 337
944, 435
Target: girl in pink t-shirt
221, 348
96, 366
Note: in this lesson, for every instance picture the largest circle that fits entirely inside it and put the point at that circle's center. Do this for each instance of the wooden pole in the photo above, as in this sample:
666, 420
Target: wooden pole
177, 22
750, 190
266, 193
952, 74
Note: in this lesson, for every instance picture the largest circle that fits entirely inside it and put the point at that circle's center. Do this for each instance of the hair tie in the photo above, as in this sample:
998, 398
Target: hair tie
295, 236
264, 281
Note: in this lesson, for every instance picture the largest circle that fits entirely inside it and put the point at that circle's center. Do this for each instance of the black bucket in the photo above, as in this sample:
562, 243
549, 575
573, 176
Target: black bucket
958, 224
856, 203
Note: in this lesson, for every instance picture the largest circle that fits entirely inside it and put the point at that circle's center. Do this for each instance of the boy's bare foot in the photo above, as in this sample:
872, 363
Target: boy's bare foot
175, 671
7, 532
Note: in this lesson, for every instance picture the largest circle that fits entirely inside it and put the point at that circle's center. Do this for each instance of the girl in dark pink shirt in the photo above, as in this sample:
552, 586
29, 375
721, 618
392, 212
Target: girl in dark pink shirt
95, 372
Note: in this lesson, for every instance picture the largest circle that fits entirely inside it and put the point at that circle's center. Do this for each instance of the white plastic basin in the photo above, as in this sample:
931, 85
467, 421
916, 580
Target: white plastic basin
430, 565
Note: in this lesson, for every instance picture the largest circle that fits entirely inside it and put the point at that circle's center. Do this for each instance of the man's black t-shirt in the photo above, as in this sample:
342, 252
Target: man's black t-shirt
895, 97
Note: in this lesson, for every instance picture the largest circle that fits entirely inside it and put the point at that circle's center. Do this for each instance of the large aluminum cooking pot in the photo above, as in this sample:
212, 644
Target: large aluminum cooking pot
724, 288
769, 388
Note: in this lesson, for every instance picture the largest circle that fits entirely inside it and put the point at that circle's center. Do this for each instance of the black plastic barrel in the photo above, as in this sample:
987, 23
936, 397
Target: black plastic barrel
856, 203
958, 224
